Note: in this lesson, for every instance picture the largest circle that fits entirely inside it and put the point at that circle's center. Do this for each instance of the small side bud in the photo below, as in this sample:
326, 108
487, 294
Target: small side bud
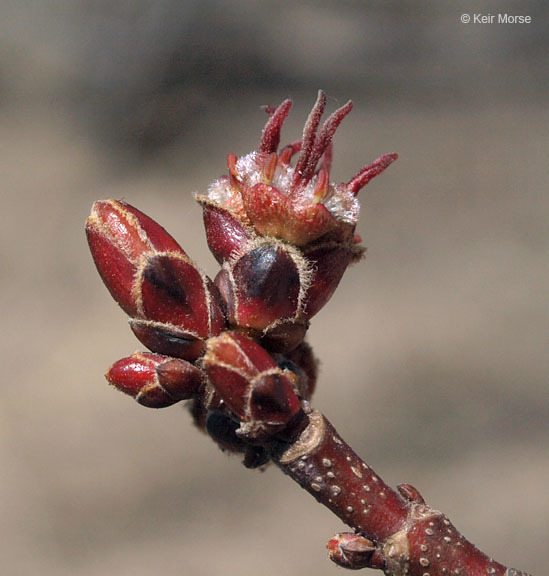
351, 551
155, 381
410, 493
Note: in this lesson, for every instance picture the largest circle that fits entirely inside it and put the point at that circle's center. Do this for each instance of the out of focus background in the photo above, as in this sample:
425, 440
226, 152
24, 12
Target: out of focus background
434, 349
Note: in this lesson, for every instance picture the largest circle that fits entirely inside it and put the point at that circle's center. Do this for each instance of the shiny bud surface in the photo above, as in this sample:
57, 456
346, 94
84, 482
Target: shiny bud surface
226, 235
264, 286
119, 236
155, 381
153, 280
255, 389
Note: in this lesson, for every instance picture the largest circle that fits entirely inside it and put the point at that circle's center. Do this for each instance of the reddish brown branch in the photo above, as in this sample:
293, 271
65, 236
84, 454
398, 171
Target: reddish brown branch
395, 531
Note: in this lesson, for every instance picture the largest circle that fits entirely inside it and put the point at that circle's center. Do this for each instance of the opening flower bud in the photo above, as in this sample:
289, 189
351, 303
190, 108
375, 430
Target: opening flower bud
296, 204
265, 196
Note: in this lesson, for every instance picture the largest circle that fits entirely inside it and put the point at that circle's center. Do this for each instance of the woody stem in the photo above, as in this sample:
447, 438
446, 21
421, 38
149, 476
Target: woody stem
410, 537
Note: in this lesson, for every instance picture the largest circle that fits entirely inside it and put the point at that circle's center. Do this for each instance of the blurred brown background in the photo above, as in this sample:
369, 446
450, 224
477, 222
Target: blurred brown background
434, 349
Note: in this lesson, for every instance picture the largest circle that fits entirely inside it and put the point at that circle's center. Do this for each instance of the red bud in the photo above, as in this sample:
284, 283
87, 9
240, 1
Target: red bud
151, 277
170, 289
352, 551
119, 235
264, 286
251, 383
155, 381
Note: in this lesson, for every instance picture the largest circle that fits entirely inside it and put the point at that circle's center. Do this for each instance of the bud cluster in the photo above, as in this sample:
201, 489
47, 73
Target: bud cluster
283, 235
234, 347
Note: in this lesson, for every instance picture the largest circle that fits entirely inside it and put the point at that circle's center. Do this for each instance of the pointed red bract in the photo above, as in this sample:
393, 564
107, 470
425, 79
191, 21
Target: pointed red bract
225, 233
